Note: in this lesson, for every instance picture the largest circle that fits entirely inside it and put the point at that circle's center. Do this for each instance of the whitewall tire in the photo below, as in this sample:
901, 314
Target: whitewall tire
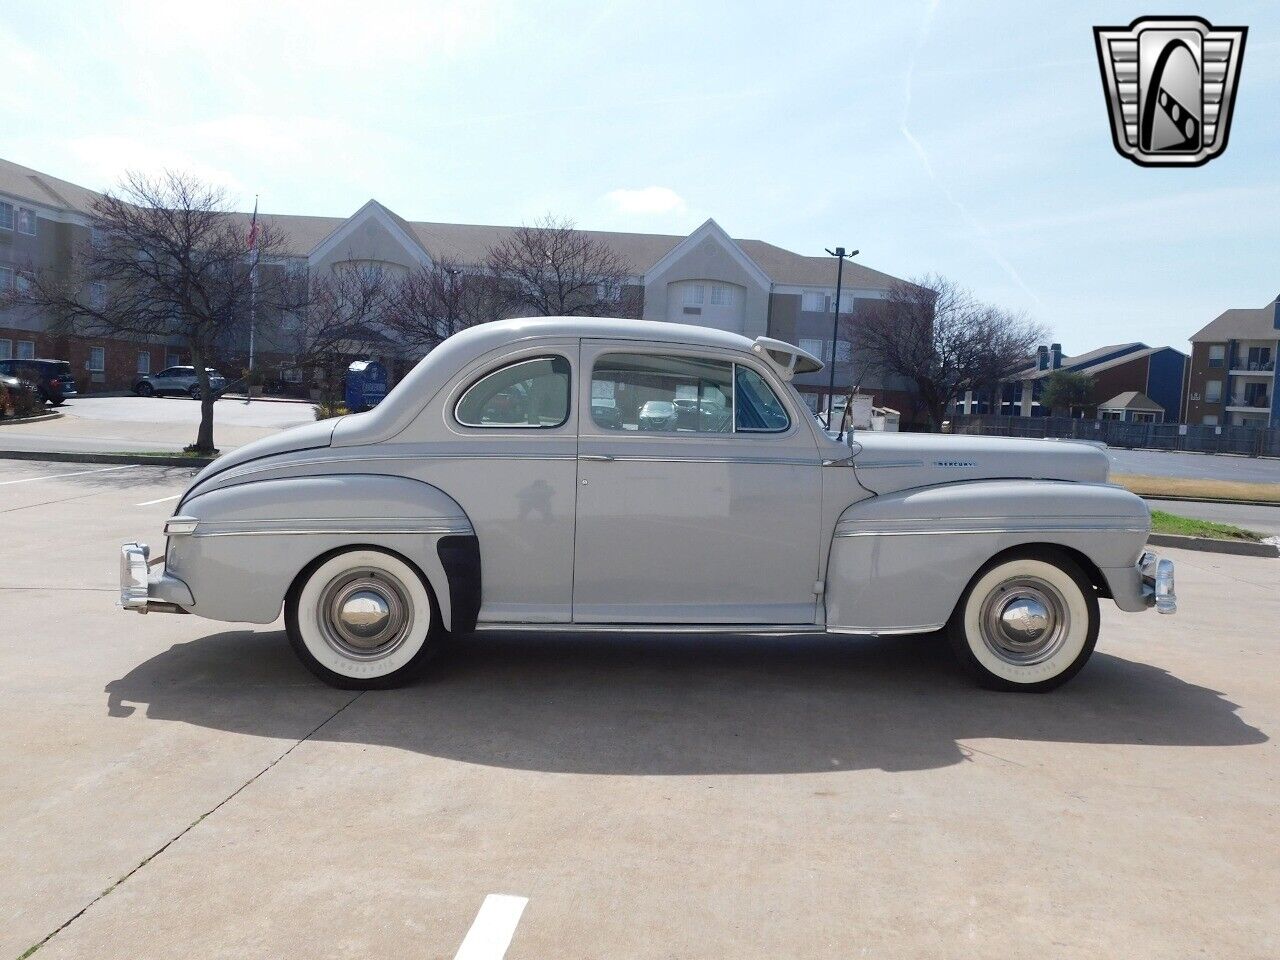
362, 620
1028, 621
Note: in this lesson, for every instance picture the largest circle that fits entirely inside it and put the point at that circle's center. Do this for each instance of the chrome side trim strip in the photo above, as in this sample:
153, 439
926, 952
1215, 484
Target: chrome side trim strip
787, 461
312, 461
1029, 528
337, 525
884, 464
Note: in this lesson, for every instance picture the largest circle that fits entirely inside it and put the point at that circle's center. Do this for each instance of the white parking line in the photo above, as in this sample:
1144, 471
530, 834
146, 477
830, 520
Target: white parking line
161, 500
56, 476
493, 928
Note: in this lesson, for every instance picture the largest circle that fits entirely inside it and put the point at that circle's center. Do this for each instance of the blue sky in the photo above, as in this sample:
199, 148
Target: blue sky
968, 139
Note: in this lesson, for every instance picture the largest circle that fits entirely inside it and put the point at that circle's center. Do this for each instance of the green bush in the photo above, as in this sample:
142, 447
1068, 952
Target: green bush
327, 411
22, 400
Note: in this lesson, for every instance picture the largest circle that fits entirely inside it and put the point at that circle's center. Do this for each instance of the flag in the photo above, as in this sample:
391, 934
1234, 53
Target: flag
253, 225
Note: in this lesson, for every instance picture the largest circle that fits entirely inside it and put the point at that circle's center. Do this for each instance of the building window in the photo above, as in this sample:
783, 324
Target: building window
144, 361
6, 216
289, 375
27, 221
6, 279
693, 295
1210, 420
844, 351
814, 301
97, 295
1217, 354
172, 360
97, 359
6, 349
26, 350
97, 236
1213, 391
813, 347
609, 292
721, 296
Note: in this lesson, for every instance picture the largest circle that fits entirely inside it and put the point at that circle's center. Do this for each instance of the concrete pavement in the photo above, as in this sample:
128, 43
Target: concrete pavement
180, 788
1196, 466
144, 424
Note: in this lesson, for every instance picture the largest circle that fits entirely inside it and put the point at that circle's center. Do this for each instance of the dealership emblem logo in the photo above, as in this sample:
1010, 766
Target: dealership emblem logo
1170, 84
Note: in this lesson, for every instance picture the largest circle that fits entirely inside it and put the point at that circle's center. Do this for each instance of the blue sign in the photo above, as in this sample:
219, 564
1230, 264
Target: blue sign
366, 385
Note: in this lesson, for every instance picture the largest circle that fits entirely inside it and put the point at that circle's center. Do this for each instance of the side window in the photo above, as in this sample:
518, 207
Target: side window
531, 393
662, 394
757, 408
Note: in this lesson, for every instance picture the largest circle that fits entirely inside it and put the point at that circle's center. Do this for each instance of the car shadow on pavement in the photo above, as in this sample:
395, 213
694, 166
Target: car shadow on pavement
674, 705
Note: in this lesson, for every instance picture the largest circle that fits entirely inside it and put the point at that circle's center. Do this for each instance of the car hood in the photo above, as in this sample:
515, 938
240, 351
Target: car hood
886, 462
308, 436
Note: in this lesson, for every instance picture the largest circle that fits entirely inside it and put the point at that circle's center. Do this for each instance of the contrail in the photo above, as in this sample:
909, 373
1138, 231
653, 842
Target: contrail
988, 242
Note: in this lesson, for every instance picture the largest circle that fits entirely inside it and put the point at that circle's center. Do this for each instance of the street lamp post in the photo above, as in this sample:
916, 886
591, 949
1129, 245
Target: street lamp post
841, 257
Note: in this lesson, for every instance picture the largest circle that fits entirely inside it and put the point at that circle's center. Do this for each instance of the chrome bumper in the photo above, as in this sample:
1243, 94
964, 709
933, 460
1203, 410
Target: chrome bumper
1157, 582
141, 592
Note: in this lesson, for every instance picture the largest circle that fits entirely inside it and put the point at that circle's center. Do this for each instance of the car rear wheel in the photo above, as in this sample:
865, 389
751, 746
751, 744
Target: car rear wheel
363, 620
1027, 622
144, 389
194, 392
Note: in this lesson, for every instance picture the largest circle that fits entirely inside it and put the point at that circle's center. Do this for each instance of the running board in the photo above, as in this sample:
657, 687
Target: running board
779, 630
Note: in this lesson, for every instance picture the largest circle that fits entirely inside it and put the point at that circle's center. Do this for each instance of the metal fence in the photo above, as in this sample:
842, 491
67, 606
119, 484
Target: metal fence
1249, 441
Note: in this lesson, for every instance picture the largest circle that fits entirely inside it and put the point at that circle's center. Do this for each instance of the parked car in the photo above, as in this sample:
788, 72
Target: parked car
380, 532
178, 380
658, 415
52, 380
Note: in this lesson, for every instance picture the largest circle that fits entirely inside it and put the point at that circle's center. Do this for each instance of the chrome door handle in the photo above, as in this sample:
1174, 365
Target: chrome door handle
598, 457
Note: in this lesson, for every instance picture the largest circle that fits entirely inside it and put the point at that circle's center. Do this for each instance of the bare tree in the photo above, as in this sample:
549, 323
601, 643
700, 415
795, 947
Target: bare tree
935, 334
170, 263
342, 314
552, 269
434, 302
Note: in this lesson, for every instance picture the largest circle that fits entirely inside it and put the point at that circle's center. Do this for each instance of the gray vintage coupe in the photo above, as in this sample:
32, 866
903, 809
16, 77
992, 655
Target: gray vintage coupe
520, 477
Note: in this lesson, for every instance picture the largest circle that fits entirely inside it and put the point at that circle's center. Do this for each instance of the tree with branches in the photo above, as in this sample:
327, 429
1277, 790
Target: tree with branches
940, 338
552, 269
434, 302
170, 264
1065, 391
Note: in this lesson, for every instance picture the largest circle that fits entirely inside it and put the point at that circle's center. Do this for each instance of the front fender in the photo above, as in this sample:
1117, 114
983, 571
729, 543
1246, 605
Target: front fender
251, 540
899, 563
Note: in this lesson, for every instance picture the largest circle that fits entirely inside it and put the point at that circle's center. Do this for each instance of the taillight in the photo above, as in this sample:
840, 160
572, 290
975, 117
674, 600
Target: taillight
55, 382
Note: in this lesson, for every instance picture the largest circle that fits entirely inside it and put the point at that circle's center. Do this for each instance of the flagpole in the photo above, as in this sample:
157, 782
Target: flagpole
253, 295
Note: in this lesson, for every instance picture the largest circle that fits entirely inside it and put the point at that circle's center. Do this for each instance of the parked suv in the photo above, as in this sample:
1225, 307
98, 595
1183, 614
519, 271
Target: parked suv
51, 379
178, 380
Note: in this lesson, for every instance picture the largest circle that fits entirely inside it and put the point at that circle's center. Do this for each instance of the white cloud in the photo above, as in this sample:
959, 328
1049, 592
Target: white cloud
647, 200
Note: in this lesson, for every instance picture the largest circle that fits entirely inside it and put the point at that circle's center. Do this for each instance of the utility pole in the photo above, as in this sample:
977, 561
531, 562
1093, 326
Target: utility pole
841, 257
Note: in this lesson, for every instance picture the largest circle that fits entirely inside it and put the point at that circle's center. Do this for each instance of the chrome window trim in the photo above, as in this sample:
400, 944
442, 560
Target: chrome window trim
568, 406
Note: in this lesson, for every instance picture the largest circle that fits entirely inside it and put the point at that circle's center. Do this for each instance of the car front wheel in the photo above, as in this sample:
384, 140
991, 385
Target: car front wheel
1027, 621
144, 389
363, 620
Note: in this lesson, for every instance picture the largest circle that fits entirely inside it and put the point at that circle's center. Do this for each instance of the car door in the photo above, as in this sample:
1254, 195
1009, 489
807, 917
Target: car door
713, 521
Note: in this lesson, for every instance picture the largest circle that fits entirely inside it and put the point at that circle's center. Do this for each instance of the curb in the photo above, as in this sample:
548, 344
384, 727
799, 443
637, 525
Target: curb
121, 458
48, 415
1180, 499
1240, 548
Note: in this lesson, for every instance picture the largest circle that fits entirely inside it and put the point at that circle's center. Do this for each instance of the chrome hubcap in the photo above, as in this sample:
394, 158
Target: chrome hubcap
1024, 621
364, 614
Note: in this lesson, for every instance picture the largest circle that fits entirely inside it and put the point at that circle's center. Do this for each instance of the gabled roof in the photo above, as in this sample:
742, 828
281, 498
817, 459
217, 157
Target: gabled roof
469, 243
1131, 400
1087, 361
1259, 323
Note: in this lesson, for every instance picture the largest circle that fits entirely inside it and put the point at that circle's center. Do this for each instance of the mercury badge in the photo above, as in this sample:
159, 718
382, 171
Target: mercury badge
1170, 84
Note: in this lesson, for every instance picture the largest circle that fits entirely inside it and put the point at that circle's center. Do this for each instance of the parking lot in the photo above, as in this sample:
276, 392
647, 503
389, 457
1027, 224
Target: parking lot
174, 787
